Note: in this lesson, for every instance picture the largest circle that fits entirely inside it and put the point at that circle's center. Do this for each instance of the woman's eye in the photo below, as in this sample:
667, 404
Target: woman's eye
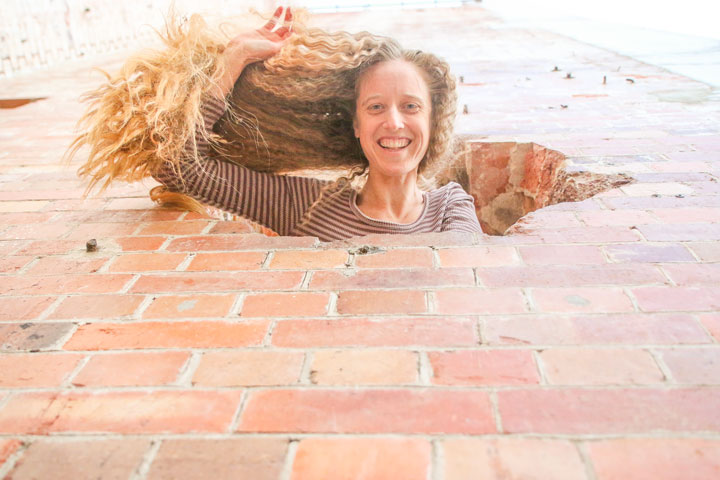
375, 107
412, 106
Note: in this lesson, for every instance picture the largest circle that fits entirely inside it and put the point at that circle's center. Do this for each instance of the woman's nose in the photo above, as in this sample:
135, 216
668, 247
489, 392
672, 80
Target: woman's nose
393, 120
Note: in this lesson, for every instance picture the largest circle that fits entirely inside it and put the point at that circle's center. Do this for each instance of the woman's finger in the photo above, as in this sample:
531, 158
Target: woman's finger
274, 20
283, 32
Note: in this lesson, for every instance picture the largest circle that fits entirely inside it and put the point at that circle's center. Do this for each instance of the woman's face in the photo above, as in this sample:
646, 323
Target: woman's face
392, 117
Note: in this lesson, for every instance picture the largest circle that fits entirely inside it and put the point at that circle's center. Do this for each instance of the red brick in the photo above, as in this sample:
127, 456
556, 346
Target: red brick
381, 301
595, 411
396, 258
216, 282
35, 369
441, 332
694, 274
309, 259
663, 329
511, 458
73, 458
7, 448
31, 337
484, 367
648, 253
362, 459
64, 284
392, 278
588, 366
663, 299
707, 252
227, 261
364, 367
569, 275
602, 218
101, 230
587, 300
32, 231
562, 255
119, 412
285, 304
481, 256
143, 262
190, 306
248, 368
220, 459
696, 366
51, 247
239, 225
131, 369
480, 301
237, 242
23, 308
174, 228
66, 265
656, 458
134, 244
711, 321
98, 306
368, 411
436, 239
108, 336
23, 218
13, 264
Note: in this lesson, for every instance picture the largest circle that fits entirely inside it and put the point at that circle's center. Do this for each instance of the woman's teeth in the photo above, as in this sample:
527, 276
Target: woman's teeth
395, 143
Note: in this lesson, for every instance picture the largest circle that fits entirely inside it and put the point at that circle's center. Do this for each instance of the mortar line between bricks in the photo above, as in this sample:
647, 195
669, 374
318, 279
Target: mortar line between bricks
305, 377
495, 410
430, 302
143, 468
142, 307
50, 308
305, 283
266, 262
235, 420
332, 305
67, 383
691, 251
437, 462
267, 338
633, 300
713, 340
133, 280
425, 371
539, 365
663, 368
185, 375
10, 463
286, 471
61, 341
29, 265
586, 459
182, 266
666, 275
237, 305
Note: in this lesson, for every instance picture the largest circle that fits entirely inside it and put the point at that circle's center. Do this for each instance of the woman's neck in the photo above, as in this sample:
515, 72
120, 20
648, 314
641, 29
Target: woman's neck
397, 200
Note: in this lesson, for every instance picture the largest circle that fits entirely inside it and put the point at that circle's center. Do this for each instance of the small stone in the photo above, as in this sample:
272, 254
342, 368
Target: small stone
91, 245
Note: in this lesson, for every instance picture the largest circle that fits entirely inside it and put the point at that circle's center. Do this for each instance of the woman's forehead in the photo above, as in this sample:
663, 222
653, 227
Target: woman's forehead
398, 76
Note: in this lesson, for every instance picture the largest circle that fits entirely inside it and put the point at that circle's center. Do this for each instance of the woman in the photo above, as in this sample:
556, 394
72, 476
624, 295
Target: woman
381, 111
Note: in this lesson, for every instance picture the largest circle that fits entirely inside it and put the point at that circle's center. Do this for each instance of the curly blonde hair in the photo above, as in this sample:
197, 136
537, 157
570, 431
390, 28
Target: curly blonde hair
292, 112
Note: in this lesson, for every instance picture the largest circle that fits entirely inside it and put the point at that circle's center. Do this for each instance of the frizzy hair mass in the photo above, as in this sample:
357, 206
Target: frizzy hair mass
292, 112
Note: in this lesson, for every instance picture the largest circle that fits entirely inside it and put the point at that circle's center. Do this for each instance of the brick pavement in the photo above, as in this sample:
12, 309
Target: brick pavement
583, 346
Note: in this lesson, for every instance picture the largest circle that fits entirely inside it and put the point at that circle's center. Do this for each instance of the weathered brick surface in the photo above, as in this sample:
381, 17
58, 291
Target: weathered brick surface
583, 345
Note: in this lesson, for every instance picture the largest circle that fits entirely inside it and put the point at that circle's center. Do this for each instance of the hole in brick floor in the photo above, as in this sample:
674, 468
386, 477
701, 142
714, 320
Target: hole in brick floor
17, 102
509, 180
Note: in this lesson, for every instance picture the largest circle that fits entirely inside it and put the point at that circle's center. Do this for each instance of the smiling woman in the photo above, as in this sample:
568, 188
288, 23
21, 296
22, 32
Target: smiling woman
284, 98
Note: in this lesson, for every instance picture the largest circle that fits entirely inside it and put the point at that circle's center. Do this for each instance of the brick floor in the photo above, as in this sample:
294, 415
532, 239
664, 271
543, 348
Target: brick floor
586, 347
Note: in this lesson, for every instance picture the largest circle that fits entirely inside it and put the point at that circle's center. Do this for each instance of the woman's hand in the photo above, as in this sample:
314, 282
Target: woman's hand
254, 46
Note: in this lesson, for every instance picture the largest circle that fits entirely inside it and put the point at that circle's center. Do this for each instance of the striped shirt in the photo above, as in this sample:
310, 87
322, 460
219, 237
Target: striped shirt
283, 203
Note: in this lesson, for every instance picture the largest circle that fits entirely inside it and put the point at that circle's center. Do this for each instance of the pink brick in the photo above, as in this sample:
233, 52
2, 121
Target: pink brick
131, 369
656, 458
511, 458
285, 304
248, 368
664, 299
13, 264
368, 411
588, 366
190, 306
569, 275
226, 261
480, 301
35, 369
220, 459
562, 255
486, 367
664, 329
120, 412
481, 256
143, 262
432, 331
174, 228
206, 334
56, 265
362, 458
686, 232
693, 365
706, 251
64, 284
694, 274
309, 259
237, 242
7, 448
397, 258
23, 308
364, 367
687, 215
73, 458
136, 244
601, 218
648, 253
711, 321
359, 302
97, 306
392, 278
596, 411
101, 230
216, 282
585, 300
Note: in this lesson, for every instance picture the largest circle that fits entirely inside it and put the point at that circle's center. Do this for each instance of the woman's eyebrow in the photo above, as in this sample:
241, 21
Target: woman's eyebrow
407, 95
